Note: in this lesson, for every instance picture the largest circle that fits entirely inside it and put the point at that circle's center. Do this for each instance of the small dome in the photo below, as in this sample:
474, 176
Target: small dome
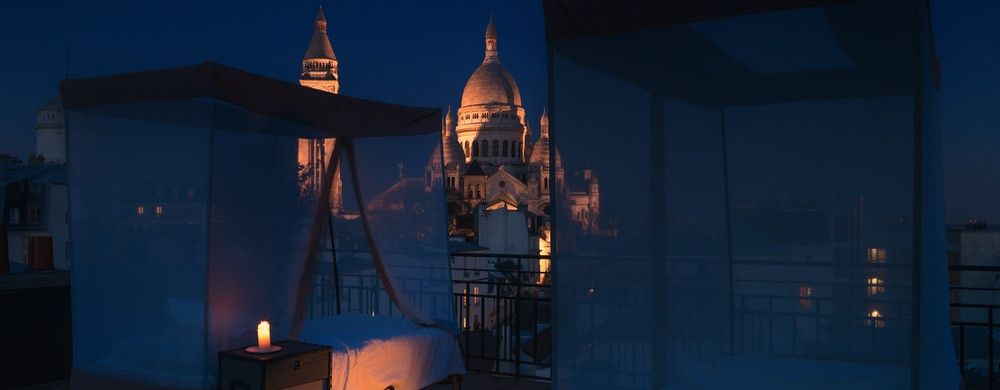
540, 153
453, 154
540, 150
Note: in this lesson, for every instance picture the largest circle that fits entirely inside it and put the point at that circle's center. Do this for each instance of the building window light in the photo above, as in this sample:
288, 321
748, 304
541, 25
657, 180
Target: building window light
805, 297
876, 255
875, 319
158, 210
140, 210
876, 286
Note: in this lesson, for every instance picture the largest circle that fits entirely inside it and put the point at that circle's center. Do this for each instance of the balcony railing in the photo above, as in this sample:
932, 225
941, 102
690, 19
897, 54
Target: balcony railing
503, 304
975, 305
504, 309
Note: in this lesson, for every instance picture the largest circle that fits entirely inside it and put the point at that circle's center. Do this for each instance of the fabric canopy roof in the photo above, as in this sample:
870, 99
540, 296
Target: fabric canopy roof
337, 115
588, 18
872, 65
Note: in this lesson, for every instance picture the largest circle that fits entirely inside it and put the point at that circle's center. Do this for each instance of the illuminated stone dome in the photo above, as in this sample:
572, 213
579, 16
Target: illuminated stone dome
491, 123
491, 83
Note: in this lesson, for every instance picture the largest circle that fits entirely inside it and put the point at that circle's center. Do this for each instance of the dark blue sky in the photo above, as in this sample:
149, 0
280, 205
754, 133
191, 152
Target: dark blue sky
421, 53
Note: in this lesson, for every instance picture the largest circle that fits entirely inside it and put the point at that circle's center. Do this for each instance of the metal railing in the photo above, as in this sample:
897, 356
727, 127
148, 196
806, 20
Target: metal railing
975, 305
504, 310
503, 305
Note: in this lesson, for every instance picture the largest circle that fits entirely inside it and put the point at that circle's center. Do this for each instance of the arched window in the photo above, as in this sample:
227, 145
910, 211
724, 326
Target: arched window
475, 116
496, 148
467, 148
505, 148
475, 148
479, 194
513, 149
486, 148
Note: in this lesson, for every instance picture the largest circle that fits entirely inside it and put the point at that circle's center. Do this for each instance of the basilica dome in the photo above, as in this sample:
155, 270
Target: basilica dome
491, 83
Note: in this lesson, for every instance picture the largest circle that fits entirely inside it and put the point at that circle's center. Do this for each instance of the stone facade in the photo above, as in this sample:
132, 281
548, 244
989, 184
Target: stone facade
488, 159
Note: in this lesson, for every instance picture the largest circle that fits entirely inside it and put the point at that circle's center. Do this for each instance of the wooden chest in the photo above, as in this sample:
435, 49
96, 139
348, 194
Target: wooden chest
298, 366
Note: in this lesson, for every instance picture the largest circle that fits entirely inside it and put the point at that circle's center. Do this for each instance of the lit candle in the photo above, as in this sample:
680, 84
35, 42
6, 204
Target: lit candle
264, 335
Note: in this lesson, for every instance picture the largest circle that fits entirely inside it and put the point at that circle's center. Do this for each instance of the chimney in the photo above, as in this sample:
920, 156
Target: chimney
4, 254
40, 253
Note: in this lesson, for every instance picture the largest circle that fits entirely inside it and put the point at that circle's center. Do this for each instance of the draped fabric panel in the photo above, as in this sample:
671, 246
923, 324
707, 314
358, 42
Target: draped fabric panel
771, 197
404, 218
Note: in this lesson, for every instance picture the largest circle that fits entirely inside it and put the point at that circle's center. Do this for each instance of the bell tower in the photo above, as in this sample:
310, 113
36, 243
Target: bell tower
319, 64
319, 71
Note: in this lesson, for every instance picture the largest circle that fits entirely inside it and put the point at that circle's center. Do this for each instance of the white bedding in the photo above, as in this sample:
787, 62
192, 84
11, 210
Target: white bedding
378, 352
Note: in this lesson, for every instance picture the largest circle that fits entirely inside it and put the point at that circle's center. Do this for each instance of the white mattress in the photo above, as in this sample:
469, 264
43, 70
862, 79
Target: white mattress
378, 352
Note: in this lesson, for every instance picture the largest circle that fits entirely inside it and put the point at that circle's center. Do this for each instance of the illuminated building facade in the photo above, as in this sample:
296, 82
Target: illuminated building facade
489, 159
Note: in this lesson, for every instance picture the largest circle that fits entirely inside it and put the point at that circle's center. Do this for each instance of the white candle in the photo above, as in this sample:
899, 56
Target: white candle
264, 335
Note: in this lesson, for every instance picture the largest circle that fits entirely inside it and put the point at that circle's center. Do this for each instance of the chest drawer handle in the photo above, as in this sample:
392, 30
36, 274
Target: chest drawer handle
298, 365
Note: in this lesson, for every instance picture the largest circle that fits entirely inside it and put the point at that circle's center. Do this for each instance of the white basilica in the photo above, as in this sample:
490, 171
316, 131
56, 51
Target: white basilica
489, 159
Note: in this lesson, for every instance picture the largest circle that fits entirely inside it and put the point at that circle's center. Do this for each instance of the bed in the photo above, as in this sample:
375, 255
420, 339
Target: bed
379, 352
368, 352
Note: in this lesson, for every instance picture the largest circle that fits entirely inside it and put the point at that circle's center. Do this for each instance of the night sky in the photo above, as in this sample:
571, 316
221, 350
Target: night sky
421, 53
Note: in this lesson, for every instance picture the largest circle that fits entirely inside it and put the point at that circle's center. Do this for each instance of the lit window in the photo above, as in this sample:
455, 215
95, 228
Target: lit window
875, 286
876, 255
140, 210
158, 210
475, 295
805, 297
875, 319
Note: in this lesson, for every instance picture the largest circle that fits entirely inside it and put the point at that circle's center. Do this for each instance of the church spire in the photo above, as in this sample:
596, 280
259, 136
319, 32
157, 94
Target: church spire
491, 41
321, 21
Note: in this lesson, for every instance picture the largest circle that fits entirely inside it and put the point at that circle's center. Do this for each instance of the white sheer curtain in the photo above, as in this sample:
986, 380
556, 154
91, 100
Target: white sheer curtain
770, 188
